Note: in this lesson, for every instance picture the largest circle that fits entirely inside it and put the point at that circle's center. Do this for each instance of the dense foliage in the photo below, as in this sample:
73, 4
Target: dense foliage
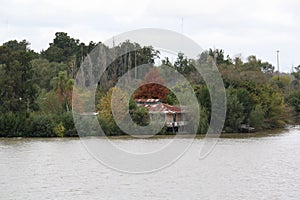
36, 88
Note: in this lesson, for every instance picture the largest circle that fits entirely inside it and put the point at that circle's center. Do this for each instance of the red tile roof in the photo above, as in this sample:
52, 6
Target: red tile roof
155, 106
144, 101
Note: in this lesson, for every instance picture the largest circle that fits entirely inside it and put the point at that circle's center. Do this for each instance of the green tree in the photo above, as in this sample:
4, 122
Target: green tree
234, 114
63, 85
203, 96
17, 89
245, 98
283, 83
219, 57
183, 64
294, 100
14, 45
140, 116
296, 74
204, 122
44, 71
256, 118
105, 116
276, 112
64, 48
50, 103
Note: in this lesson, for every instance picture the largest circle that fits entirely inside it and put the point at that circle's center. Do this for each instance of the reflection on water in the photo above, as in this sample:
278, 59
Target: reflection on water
260, 166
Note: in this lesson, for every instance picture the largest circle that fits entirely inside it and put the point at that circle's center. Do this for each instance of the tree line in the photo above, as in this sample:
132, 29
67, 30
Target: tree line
36, 88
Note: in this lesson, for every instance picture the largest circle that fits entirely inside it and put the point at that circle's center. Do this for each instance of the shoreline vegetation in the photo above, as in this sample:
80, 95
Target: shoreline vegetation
238, 135
36, 89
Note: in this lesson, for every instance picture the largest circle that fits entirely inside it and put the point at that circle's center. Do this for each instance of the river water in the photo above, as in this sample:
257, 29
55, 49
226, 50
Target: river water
264, 166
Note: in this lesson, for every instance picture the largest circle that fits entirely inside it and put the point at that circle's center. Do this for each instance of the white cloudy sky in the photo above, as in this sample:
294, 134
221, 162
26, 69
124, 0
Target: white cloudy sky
237, 26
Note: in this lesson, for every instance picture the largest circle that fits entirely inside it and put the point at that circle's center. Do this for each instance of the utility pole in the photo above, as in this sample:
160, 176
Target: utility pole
278, 63
135, 69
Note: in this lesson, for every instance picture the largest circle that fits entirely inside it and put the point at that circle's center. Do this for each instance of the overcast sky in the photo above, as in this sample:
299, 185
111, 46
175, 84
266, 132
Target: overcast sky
252, 27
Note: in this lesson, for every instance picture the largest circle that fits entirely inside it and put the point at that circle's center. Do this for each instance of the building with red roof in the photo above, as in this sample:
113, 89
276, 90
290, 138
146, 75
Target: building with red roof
174, 115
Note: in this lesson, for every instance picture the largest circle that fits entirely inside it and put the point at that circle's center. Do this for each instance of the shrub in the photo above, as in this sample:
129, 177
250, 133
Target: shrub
12, 125
41, 126
68, 122
59, 130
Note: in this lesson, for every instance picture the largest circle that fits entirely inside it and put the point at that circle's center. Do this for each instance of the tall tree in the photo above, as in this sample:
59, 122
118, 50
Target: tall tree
17, 89
152, 87
44, 71
234, 114
219, 57
14, 45
63, 85
64, 48
183, 64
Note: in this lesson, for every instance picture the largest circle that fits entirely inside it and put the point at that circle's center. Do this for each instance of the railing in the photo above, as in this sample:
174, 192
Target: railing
175, 124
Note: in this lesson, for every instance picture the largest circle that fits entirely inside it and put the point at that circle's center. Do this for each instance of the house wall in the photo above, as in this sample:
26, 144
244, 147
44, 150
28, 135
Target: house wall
169, 117
178, 117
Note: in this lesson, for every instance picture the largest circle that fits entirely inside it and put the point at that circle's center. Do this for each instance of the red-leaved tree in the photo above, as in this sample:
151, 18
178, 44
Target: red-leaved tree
152, 87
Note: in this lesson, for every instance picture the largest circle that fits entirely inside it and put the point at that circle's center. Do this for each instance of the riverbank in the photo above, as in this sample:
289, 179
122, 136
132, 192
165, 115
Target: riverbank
261, 133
